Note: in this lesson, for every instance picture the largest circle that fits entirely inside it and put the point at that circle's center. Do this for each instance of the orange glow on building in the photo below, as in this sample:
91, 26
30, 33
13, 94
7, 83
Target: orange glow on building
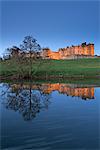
83, 50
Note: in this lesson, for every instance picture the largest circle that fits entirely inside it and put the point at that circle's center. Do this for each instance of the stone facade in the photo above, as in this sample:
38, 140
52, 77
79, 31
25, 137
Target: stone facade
80, 51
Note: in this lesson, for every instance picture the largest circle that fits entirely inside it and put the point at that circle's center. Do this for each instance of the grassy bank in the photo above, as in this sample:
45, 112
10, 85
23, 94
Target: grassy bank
44, 69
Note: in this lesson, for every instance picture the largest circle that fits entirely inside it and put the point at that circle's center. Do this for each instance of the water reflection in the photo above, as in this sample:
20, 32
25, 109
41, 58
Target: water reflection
69, 122
28, 102
84, 91
28, 99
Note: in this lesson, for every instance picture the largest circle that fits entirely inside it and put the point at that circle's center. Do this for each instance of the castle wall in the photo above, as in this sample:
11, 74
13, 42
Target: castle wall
70, 52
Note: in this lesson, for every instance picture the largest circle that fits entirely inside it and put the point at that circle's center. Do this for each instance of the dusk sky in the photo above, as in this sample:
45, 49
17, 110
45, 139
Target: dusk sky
54, 24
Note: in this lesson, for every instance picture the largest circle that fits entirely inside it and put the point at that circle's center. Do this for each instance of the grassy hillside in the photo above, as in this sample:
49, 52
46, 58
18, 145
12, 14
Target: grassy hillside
81, 68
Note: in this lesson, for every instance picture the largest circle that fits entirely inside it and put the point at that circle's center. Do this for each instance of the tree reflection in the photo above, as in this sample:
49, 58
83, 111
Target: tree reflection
28, 102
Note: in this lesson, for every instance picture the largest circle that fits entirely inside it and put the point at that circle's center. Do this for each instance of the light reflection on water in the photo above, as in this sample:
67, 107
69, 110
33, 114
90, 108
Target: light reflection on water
49, 116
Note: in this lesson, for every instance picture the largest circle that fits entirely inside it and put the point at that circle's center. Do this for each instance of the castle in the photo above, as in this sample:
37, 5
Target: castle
80, 51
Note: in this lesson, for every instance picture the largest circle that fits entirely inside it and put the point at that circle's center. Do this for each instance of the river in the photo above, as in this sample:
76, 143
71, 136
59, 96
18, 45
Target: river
49, 116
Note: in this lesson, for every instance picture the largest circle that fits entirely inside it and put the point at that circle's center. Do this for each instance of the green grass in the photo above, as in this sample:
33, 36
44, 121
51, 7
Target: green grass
81, 68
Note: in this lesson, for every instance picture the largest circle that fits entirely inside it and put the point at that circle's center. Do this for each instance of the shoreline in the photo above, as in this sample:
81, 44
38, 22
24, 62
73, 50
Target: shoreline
78, 77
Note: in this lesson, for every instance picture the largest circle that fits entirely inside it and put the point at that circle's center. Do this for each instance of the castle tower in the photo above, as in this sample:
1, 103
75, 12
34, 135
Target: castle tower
90, 49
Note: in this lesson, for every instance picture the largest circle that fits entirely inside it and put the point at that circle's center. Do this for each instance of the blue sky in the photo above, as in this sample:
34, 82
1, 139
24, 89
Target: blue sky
54, 24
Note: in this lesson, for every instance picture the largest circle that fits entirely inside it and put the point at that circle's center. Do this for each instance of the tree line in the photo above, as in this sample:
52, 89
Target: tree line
29, 48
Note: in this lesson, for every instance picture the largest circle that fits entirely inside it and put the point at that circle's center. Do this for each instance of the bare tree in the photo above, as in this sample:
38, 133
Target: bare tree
30, 46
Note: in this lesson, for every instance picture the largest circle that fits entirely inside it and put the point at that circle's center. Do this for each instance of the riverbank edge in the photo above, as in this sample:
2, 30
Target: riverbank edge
50, 77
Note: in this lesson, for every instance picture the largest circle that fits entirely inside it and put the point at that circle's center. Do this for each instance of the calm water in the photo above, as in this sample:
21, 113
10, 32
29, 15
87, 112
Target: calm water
49, 116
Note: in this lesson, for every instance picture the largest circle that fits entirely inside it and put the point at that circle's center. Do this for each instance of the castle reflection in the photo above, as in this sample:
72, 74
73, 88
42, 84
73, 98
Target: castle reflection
85, 92
29, 99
